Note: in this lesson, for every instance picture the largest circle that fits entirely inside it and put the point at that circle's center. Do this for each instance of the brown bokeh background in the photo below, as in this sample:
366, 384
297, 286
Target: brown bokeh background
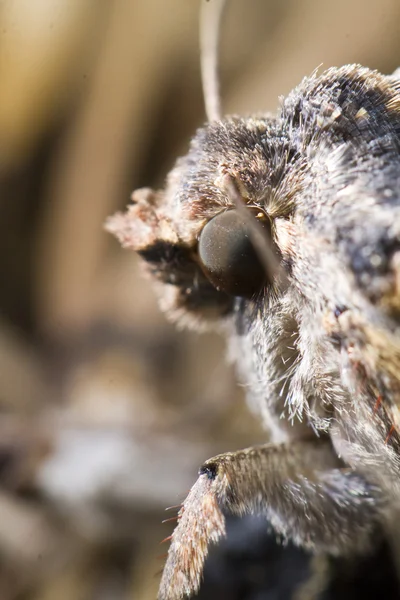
105, 409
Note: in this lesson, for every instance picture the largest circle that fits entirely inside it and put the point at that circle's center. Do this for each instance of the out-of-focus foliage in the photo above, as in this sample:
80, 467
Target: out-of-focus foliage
105, 410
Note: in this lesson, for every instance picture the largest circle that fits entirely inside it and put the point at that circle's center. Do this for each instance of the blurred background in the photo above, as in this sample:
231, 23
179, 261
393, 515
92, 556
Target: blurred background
106, 411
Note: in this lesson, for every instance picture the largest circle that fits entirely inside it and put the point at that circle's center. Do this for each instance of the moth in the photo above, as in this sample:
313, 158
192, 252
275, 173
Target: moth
284, 233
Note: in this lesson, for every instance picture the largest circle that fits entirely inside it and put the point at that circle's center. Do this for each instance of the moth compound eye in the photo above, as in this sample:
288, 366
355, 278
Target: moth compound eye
228, 257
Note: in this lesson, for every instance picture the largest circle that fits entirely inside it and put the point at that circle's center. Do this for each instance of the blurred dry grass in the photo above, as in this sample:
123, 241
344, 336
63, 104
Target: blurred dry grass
105, 410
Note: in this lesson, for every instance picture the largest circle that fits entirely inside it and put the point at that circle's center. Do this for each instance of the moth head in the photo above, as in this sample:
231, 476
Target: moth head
209, 238
254, 203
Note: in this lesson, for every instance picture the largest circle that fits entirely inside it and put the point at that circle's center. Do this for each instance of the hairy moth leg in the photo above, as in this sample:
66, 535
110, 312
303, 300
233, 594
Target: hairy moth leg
301, 488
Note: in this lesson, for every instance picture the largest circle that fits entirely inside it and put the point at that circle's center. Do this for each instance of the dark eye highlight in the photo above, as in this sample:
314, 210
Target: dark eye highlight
228, 257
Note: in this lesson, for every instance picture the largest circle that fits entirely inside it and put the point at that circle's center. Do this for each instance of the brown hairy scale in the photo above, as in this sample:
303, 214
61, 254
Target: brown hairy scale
318, 343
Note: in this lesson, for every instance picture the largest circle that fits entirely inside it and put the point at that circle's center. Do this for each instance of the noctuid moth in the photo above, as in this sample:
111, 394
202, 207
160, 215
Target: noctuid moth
284, 231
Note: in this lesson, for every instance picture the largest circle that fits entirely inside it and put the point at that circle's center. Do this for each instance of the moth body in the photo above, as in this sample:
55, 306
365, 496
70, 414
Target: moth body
316, 343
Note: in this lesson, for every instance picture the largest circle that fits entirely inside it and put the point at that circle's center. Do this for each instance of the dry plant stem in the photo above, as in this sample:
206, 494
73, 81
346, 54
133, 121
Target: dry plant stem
294, 486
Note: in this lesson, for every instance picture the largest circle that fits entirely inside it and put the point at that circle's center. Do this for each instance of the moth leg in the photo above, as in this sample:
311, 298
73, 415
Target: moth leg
302, 488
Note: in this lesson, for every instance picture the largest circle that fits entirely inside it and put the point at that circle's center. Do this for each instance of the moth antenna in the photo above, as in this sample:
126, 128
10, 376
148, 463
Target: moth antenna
210, 21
